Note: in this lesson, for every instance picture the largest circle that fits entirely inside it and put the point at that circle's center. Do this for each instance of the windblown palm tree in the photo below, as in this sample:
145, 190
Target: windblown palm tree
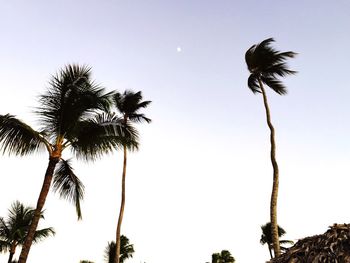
128, 104
14, 228
265, 65
223, 257
266, 237
67, 113
126, 250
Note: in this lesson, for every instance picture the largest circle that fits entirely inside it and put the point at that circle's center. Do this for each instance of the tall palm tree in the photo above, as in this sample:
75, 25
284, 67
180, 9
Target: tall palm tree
14, 228
266, 237
265, 65
126, 250
223, 257
128, 104
67, 114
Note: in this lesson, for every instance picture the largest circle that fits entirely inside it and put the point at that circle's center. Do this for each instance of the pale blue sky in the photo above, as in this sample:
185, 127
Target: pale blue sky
201, 181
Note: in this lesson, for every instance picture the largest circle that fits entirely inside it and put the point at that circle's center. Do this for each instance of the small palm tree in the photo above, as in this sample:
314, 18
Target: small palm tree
126, 250
14, 228
68, 114
223, 257
128, 104
266, 237
265, 65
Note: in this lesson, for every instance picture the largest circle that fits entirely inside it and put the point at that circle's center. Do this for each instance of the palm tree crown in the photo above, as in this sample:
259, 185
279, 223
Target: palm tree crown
126, 250
267, 64
129, 104
266, 237
223, 257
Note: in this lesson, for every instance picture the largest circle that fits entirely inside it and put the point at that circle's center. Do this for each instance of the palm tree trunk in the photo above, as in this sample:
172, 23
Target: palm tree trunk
270, 250
10, 257
274, 194
12, 251
121, 213
40, 204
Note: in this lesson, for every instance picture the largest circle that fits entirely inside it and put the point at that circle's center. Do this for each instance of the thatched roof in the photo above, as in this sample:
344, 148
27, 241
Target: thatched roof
332, 246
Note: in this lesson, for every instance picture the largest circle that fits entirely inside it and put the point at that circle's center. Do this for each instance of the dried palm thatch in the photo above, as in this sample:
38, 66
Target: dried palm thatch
332, 246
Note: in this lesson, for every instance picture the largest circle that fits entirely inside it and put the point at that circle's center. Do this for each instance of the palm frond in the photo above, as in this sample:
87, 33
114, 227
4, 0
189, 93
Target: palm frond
4, 228
18, 138
108, 132
41, 234
4, 246
71, 96
287, 242
129, 102
68, 185
139, 117
126, 250
144, 104
259, 55
253, 83
279, 69
109, 253
275, 84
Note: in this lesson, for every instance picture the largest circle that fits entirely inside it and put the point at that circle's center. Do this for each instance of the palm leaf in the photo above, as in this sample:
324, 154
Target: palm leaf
71, 96
126, 250
253, 83
4, 246
4, 228
279, 69
18, 138
134, 117
109, 253
275, 84
68, 185
41, 234
108, 133
129, 102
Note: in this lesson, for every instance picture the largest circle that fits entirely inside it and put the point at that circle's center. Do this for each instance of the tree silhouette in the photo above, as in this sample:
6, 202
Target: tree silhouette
68, 114
266, 237
14, 228
128, 105
126, 250
266, 65
223, 257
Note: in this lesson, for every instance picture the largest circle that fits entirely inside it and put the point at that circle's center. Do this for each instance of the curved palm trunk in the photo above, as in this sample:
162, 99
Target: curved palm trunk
40, 204
274, 194
121, 213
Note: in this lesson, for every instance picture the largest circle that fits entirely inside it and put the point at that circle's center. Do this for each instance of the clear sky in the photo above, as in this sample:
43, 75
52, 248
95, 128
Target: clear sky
202, 179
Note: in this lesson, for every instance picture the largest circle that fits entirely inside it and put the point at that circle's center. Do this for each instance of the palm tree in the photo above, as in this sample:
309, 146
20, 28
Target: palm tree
126, 250
67, 114
14, 228
265, 65
128, 104
266, 237
223, 257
